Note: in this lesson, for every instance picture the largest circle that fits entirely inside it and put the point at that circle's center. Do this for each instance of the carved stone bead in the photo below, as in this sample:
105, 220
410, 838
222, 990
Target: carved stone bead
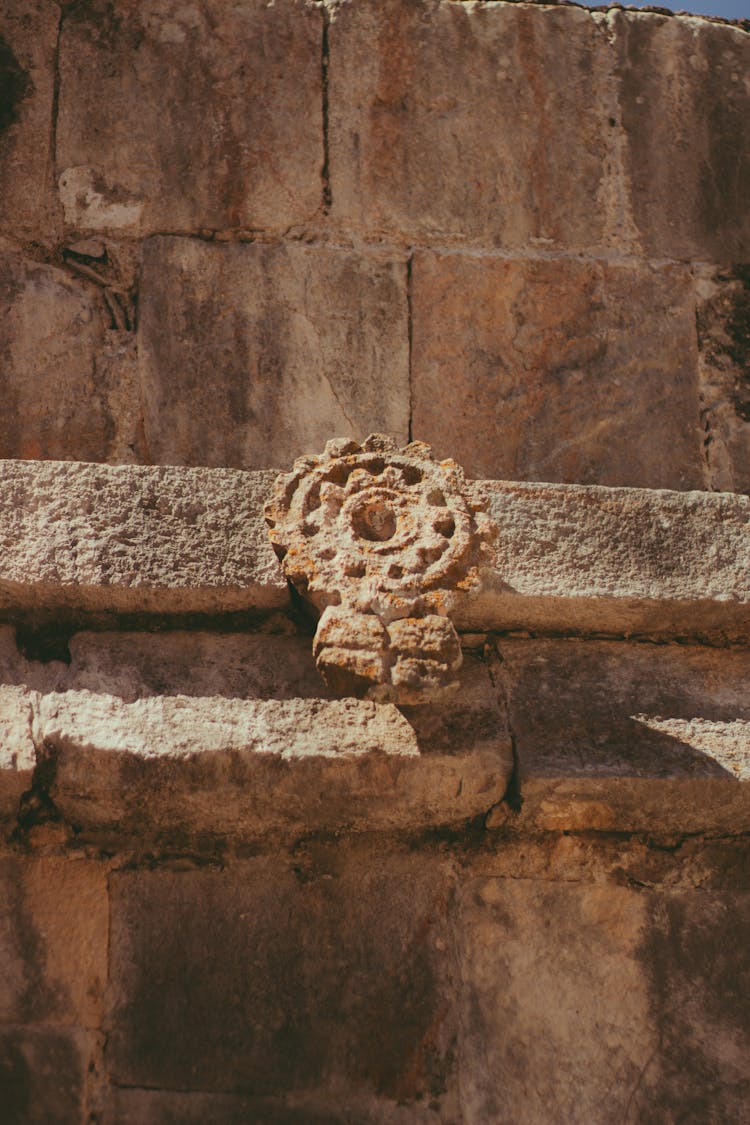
378, 538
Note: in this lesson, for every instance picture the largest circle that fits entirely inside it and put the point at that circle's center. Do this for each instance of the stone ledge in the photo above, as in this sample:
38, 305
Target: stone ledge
86, 538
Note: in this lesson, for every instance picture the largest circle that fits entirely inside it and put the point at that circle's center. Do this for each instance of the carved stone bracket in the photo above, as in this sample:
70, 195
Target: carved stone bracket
378, 539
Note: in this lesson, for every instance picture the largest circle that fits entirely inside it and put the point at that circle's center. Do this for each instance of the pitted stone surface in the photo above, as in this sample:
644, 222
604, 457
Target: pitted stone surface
380, 539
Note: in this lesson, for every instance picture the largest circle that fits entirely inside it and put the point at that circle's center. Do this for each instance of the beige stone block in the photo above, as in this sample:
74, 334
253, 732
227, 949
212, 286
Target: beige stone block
556, 1006
178, 117
272, 977
473, 122
28, 43
272, 350
723, 321
51, 329
628, 738
44, 1074
163, 765
685, 109
131, 538
54, 924
17, 748
557, 370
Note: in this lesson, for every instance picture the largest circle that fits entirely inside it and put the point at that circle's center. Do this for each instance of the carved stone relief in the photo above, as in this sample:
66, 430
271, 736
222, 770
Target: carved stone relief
378, 539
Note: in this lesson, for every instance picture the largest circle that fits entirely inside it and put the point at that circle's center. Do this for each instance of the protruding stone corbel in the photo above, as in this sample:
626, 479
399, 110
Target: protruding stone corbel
378, 539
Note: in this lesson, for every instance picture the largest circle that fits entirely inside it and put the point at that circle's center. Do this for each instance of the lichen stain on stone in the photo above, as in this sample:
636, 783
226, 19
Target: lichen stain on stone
15, 86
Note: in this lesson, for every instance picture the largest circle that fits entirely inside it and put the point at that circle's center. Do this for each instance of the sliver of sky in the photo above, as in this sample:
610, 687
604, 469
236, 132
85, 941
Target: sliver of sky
727, 9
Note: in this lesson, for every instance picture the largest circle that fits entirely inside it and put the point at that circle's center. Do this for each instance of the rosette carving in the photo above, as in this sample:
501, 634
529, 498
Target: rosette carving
379, 539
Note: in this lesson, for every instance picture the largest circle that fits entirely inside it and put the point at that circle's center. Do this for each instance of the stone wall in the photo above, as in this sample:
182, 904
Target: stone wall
230, 230
516, 232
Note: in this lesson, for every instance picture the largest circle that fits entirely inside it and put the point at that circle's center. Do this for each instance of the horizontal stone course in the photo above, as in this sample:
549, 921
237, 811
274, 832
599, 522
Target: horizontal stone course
567, 558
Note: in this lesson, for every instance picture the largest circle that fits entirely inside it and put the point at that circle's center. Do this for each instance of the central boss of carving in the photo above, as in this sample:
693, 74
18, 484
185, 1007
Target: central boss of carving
379, 539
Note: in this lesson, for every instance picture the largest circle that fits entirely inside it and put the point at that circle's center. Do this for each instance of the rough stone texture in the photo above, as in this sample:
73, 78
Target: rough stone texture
54, 922
602, 1003
179, 117
28, 42
380, 538
328, 969
558, 370
628, 738
684, 100
17, 749
271, 350
723, 321
135, 538
43, 1075
161, 766
566, 557
469, 122
51, 330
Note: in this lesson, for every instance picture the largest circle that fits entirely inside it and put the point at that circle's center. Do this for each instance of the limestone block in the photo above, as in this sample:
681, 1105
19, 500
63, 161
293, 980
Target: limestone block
685, 109
629, 738
135, 538
557, 370
54, 922
474, 122
257, 367
723, 321
28, 42
188, 117
602, 1003
233, 768
324, 968
43, 1074
557, 1023
17, 748
50, 331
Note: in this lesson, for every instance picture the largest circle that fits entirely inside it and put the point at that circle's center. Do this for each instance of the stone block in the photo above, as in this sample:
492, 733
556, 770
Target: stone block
628, 738
184, 118
101, 537
163, 766
17, 748
54, 923
602, 1003
557, 370
272, 350
43, 1075
469, 122
723, 321
555, 1007
51, 330
272, 977
685, 110
28, 44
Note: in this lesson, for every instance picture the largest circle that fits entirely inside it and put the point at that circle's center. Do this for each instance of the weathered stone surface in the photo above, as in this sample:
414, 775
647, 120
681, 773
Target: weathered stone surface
28, 41
685, 105
475, 122
279, 977
602, 1003
556, 1021
54, 923
135, 538
380, 538
557, 370
17, 749
179, 118
162, 766
51, 329
256, 368
723, 320
566, 557
43, 1075
628, 737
